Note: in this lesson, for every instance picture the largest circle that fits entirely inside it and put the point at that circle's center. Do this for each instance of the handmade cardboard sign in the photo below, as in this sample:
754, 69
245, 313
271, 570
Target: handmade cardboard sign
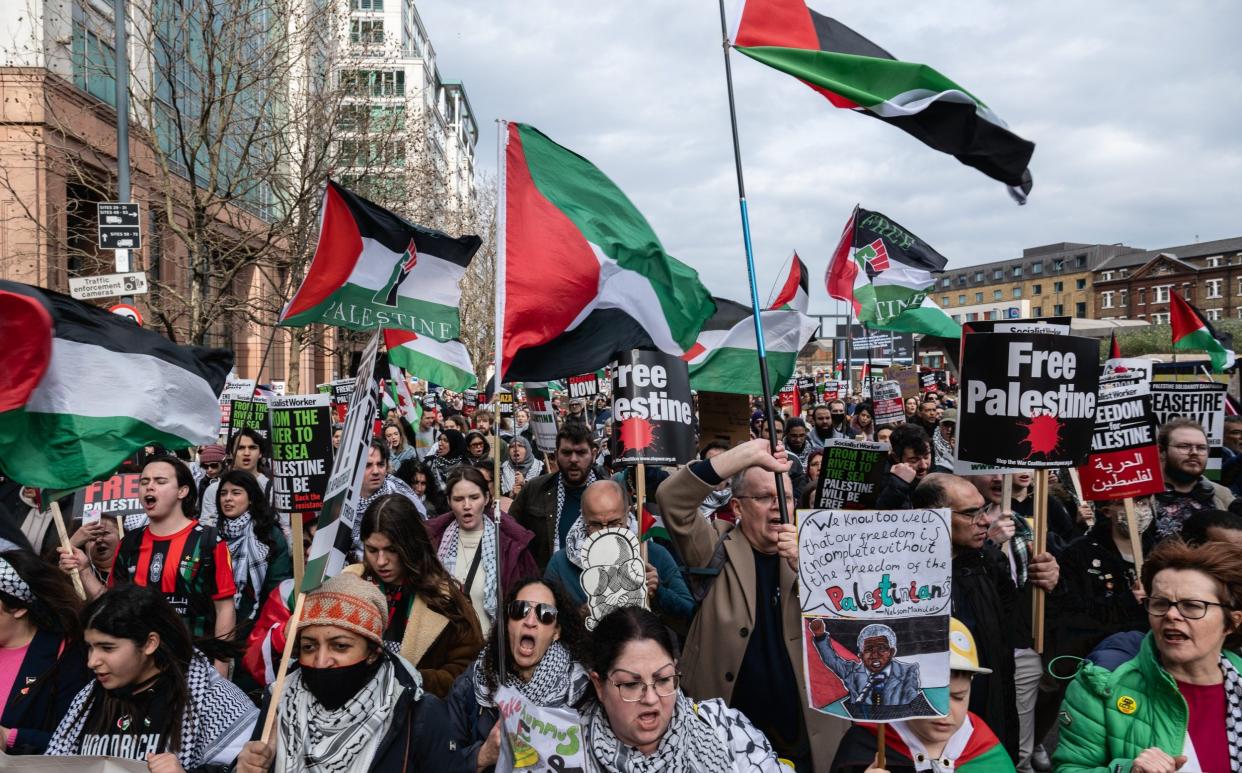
538, 739
613, 575
301, 436
542, 415
875, 591
652, 411
1027, 399
1124, 460
851, 474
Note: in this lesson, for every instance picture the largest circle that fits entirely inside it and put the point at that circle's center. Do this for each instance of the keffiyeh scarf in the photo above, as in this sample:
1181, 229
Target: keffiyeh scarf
558, 680
316, 740
249, 556
715, 500
391, 485
560, 506
217, 713
577, 537
450, 541
529, 468
1233, 712
690, 744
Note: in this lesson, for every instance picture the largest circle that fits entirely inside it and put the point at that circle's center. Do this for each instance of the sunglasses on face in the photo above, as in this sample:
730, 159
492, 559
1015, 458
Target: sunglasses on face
211, 465
544, 613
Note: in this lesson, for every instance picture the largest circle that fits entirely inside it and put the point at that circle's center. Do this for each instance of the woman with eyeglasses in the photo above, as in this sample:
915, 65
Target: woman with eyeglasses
465, 542
427, 612
543, 655
642, 721
1177, 705
478, 449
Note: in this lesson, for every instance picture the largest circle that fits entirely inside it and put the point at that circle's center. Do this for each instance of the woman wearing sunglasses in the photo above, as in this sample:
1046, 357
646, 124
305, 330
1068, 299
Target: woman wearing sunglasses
643, 721
1177, 705
543, 653
428, 614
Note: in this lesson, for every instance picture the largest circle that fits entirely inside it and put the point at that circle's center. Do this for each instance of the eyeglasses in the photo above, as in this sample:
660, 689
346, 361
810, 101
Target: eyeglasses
476, 444
977, 515
1187, 448
211, 465
544, 613
1191, 609
767, 501
635, 691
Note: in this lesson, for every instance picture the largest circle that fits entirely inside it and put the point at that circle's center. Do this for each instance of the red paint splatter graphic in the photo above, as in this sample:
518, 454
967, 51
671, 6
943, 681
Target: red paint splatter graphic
636, 433
1043, 434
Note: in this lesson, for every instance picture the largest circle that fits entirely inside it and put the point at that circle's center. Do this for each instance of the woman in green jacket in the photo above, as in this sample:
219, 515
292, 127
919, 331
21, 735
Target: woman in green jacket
1177, 706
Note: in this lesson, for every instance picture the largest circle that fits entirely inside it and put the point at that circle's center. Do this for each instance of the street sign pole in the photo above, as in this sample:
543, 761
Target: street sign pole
122, 118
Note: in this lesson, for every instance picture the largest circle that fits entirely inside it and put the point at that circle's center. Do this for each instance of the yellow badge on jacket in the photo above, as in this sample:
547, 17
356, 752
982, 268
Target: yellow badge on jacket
1127, 705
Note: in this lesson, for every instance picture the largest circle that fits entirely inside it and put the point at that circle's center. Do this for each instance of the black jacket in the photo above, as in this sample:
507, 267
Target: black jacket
469, 723
417, 739
46, 684
989, 605
535, 510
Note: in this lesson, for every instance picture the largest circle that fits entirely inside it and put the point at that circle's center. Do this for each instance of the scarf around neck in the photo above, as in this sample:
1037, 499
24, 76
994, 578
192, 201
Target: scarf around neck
558, 680
314, 739
689, 745
560, 506
450, 542
249, 556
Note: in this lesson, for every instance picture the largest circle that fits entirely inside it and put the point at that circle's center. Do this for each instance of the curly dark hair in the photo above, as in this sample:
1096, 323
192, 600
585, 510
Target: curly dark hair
568, 617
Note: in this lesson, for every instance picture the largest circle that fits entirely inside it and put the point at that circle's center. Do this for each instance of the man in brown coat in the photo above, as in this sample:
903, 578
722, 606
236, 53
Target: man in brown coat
745, 643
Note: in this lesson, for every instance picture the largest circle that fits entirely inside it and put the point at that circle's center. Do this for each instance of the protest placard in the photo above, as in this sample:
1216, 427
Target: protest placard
652, 411
538, 739
789, 398
850, 474
724, 417
806, 391
585, 386
1027, 399
929, 380
907, 377
504, 402
301, 436
1123, 369
1202, 401
875, 590
542, 416
117, 497
1124, 460
889, 407
234, 389
247, 414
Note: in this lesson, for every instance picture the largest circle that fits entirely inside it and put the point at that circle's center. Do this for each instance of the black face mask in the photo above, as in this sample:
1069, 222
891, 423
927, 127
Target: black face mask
333, 687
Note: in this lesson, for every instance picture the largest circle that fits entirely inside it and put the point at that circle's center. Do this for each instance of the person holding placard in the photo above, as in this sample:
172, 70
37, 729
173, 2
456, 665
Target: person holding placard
961, 741
1177, 705
744, 643
545, 647
909, 459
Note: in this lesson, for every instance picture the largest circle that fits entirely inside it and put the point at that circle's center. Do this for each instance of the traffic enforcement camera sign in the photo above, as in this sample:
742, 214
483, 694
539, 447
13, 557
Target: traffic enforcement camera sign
119, 226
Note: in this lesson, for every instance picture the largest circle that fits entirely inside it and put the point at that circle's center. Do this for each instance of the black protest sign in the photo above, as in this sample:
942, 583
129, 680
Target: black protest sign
247, 414
1124, 461
585, 386
1027, 399
504, 401
806, 390
301, 451
1203, 401
652, 412
469, 402
850, 474
117, 497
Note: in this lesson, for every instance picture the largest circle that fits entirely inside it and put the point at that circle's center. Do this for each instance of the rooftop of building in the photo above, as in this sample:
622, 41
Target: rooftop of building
1183, 252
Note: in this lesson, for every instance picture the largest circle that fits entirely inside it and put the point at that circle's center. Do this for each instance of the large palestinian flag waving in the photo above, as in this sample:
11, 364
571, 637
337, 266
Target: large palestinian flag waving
885, 272
583, 274
82, 389
725, 358
856, 74
446, 363
372, 269
1191, 330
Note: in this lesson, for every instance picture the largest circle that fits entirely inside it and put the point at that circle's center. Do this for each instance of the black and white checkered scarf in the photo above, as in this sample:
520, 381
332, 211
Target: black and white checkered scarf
249, 556
560, 506
450, 542
1233, 712
558, 680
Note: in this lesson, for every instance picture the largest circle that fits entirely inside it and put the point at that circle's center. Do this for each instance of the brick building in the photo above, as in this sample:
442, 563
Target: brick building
1137, 285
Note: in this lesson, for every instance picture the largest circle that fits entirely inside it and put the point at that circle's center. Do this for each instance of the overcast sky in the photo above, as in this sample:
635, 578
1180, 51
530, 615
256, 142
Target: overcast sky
1135, 110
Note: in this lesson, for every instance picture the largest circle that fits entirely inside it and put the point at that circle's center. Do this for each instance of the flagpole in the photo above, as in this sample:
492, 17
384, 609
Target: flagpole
502, 143
760, 348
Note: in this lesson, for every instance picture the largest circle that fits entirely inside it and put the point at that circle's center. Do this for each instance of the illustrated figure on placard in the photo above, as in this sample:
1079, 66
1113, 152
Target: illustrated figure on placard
613, 574
879, 686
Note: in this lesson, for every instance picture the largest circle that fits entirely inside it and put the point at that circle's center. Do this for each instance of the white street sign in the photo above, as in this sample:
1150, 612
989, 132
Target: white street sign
86, 288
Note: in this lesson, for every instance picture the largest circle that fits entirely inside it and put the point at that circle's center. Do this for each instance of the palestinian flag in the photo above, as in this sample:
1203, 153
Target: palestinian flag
885, 272
396, 391
1191, 330
372, 269
724, 358
82, 389
795, 292
581, 274
446, 363
856, 74
653, 523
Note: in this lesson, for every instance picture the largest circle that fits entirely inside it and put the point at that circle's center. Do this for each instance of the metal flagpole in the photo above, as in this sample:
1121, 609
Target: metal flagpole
750, 264
502, 144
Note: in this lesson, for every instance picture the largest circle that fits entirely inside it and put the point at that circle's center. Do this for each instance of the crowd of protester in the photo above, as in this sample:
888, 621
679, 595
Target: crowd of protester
465, 577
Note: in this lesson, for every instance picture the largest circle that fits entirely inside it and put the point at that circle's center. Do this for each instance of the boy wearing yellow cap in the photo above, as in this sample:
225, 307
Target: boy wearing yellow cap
960, 741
